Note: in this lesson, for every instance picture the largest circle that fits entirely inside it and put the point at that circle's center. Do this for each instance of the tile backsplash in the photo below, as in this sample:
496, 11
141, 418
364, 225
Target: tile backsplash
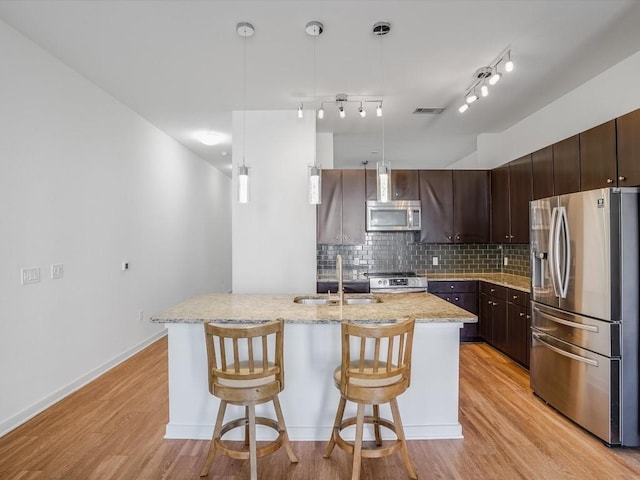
401, 251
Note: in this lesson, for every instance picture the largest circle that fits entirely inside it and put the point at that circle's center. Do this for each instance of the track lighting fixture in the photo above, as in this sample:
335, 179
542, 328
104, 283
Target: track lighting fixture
491, 75
245, 30
342, 101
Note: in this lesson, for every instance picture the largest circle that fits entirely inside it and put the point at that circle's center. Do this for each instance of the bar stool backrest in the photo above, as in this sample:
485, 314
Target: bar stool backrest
376, 361
245, 363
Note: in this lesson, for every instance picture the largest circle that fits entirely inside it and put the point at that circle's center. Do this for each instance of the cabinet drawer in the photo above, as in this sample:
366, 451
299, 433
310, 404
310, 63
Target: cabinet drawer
518, 297
493, 290
455, 286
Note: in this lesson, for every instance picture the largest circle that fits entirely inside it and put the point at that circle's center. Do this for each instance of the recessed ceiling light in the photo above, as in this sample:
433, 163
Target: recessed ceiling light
224, 154
208, 137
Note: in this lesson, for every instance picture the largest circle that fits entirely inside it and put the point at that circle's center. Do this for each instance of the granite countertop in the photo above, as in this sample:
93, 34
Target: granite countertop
250, 308
517, 282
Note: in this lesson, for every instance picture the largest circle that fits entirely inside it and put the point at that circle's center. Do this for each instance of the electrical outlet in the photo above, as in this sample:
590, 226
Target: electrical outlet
434, 260
125, 266
30, 275
505, 261
57, 271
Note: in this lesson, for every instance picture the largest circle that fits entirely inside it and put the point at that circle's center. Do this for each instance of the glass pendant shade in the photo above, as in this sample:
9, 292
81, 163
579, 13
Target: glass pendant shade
384, 181
243, 184
315, 185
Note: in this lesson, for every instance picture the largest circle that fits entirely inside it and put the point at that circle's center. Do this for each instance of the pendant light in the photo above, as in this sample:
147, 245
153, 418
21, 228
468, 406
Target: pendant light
383, 168
315, 29
245, 30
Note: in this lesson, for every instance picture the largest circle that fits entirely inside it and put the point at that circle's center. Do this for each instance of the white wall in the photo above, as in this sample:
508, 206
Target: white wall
86, 182
274, 236
606, 96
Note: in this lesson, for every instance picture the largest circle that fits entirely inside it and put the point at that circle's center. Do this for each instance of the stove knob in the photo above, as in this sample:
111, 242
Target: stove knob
380, 282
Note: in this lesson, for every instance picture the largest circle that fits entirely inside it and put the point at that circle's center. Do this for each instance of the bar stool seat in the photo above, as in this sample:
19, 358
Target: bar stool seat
374, 373
248, 382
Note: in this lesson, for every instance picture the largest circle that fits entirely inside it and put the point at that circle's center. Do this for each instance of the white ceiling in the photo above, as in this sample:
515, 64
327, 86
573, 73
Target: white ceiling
179, 63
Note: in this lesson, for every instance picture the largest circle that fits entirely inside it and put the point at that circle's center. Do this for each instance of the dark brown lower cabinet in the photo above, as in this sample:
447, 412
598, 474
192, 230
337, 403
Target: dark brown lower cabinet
505, 320
464, 294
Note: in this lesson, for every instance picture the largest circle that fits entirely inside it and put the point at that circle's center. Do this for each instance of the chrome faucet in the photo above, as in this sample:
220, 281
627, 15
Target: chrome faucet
339, 275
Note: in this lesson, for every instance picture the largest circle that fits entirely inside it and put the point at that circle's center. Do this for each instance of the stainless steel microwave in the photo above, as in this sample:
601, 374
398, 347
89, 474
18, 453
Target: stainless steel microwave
403, 215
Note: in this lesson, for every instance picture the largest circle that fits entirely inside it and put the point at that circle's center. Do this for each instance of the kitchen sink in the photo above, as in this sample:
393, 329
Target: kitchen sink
317, 300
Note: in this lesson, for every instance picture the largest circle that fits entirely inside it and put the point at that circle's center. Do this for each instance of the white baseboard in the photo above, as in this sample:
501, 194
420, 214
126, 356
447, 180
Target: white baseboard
38, 407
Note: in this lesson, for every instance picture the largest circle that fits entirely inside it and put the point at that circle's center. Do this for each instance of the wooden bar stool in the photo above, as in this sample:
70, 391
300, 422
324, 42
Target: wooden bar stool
375, 372
246, 368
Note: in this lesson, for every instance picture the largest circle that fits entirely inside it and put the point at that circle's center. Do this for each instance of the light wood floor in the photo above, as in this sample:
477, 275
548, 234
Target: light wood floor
113, 429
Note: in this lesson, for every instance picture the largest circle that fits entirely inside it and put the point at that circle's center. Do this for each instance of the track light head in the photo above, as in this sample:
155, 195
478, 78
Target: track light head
379, 110
362, 111
321, 112
463, 108
484, 90
300, 114
471, 97
508, 67
341, 112
495, 78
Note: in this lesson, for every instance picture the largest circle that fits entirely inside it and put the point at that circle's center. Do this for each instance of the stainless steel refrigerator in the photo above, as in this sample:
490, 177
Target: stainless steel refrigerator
584, 278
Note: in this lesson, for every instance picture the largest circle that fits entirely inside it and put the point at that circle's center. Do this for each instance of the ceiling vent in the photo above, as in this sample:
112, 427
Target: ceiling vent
428, 111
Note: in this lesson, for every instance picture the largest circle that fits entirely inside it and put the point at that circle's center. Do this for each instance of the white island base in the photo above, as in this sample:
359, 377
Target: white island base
429, 408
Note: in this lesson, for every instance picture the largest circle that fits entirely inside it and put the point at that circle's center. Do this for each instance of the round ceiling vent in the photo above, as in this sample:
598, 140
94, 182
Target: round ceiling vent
381, 28
482, 73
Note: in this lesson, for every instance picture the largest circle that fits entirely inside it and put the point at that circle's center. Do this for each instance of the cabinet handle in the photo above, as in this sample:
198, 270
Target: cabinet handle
448, 299
492, 290
510, 236
457, 298
521, 314
506, 236
609, 180
515, 297
457, 237
494, 304
622, 178
449, 237
528, 317
451, 286
490, 302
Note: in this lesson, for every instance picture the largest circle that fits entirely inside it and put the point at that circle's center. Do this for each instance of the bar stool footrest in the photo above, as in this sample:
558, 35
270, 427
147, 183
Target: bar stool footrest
243, 453
367, 451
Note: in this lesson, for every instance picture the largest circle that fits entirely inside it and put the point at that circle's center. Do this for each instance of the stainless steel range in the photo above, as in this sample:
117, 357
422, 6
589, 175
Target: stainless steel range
396, 282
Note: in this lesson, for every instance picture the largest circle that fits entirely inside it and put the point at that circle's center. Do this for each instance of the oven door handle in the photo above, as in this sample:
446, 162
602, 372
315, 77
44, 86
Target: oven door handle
568, 323
564, 353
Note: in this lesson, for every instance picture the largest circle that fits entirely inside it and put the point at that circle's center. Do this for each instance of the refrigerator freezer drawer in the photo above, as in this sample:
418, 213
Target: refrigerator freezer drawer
595, 335
582, 385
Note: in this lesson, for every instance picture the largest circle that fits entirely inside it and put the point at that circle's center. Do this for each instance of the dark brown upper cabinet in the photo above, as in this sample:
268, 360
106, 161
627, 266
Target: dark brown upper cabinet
500, 229
471, 210
436, 198
542, 173
598, 157
628, 131
404, 185
341, 215
520, 194
566, 166
455, 206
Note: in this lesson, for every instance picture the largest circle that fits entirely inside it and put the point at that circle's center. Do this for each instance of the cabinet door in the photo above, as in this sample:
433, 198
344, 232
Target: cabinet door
566, 165
329, 212
371, 184
353, 207
598, 157
436, 197
499, 317
469, 302
500, 205
628, 128
404, 184
516, 344
542, 173
486, 318
471, 210
519, 198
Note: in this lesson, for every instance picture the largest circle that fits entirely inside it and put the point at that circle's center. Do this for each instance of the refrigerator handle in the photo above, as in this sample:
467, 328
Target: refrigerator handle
553, 250
564, 263
564, 353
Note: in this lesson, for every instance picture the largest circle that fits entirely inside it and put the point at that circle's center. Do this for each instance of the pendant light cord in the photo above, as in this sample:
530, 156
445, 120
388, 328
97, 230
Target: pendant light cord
244, 95
382, 88
315, 133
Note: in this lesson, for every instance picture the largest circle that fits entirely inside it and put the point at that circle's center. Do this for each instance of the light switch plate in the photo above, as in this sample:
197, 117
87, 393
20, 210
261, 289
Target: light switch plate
30, 275
57, 271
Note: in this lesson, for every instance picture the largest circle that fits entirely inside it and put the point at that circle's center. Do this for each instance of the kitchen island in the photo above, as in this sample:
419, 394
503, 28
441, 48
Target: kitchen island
311, 352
